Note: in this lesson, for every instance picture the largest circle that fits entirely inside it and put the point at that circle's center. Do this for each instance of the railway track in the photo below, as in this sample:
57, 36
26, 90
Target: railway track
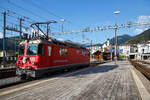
8, 76
7, 72
11, 71
142, 66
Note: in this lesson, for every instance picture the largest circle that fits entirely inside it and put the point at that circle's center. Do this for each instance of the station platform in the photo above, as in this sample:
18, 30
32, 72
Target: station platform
103, 82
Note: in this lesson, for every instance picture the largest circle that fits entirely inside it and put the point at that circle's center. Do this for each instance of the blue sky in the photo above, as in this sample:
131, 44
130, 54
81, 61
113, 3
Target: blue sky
79, 14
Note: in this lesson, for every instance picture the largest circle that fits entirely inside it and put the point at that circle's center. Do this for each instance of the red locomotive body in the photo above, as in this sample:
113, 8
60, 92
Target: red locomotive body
39, 57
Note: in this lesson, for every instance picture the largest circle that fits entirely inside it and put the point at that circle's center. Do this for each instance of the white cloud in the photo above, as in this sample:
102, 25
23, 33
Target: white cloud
138, 31
60, 39
1, 35
141, 19
144, 18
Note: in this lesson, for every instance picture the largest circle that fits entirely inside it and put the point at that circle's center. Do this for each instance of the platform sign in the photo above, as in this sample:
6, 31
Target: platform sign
119, 50
111, 50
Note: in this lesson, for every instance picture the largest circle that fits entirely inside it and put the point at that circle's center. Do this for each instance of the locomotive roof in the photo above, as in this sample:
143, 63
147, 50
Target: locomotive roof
55, 42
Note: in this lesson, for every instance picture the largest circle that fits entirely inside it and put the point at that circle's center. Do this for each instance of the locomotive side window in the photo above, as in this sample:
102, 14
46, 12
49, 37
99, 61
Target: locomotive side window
49, 50
21, 50
63, 52
83, 53
40, 50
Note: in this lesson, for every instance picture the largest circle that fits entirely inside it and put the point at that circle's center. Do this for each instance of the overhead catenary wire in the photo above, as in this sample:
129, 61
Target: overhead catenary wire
27, 10
16, 19
35, 21
15, 5
50, 13
18, 15
102, 28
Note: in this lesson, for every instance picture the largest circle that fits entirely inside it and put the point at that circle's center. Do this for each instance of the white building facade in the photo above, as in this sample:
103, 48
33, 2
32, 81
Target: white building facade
136, 51
125, 50
143, 51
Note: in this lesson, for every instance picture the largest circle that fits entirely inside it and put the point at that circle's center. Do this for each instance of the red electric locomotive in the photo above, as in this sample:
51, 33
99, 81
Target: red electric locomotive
39, 57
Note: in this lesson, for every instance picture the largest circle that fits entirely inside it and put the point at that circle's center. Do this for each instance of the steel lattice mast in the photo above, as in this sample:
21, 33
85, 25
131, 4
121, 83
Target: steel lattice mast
102, 28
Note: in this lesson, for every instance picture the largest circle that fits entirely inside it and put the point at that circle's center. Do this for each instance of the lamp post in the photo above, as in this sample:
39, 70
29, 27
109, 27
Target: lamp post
116, 12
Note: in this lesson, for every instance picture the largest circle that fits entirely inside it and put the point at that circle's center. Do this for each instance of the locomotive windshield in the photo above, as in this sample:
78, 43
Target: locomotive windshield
21, 50
34, 49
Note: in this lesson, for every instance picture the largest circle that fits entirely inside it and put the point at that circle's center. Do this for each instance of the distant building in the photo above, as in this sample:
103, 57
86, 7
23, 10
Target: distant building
106, 46
94, 48
143, 51
129, 51
139, 51
125, 50
8, 53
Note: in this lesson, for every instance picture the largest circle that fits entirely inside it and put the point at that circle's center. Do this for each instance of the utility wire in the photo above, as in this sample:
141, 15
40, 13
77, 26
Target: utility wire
15, 17
15, 5
51, 13
22, 15
18, 14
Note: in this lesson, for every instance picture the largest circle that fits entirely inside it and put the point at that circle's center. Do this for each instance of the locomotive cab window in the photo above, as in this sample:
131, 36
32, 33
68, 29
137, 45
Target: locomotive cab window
35, 49
63, 52
21, 50
40, 50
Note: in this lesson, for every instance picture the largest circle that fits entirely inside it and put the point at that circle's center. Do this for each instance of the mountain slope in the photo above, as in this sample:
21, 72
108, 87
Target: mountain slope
120, 39
143, 37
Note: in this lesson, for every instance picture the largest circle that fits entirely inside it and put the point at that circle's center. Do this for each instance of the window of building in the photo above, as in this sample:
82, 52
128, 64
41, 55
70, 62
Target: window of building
63, 52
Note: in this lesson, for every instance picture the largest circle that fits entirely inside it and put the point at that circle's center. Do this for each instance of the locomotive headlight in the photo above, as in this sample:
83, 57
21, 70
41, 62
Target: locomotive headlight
24, 60
34, 63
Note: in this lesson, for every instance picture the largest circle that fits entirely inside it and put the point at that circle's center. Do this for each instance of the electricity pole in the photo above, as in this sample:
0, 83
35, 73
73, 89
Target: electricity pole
115, 45
116, 12
4, 33
62, 20
47, 27
5, 27
91, 52
21, 27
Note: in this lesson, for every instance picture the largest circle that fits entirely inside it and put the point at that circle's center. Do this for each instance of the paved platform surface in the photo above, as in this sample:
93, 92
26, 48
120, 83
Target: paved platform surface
103, 82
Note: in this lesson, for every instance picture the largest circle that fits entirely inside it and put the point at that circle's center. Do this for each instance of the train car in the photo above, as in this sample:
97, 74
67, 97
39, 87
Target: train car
98, 55
107, 55
39, 57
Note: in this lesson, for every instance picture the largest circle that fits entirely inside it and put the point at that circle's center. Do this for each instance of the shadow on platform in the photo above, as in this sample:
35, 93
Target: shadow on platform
93, 70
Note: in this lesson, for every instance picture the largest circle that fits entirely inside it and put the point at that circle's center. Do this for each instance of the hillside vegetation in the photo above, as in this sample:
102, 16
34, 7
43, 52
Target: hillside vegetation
121, 39
143, 37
